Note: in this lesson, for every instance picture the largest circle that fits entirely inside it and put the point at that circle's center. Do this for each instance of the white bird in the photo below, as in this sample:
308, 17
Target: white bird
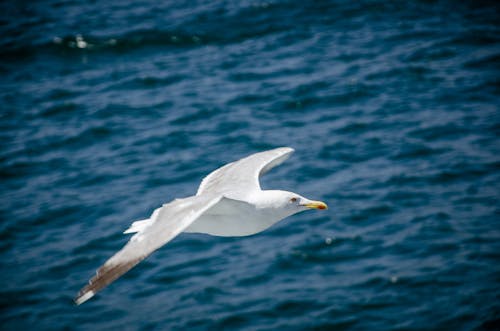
229, 202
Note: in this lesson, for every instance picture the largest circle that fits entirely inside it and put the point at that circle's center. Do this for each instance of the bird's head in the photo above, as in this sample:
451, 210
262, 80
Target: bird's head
291, 203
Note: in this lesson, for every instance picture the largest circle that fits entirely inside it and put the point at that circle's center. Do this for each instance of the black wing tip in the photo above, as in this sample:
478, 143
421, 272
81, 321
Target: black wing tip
104, 276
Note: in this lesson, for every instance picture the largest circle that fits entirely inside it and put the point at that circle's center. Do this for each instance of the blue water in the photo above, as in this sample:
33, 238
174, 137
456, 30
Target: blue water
111, 108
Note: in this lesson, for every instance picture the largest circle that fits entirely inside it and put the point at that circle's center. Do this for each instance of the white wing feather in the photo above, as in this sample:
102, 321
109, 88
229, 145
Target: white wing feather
172, 219
240, 178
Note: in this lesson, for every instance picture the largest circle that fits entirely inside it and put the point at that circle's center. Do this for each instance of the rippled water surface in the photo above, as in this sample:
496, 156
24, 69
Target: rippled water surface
111, 108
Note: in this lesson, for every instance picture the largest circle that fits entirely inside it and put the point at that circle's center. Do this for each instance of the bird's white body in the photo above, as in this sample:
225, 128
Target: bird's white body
229, 202
228, 218
220, 221
234, 218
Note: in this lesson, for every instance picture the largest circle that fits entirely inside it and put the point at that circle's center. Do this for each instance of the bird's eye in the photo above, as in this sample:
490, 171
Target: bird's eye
293, 199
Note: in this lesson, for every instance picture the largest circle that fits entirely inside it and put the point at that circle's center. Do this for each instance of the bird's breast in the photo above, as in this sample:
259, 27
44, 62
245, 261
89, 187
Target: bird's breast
226, 223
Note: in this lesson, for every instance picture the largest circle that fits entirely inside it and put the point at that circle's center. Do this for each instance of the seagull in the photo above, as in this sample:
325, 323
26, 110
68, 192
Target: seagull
229, 203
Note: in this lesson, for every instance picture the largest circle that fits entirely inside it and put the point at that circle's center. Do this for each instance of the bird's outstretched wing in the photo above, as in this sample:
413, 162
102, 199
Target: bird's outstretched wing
243, 175
172, 219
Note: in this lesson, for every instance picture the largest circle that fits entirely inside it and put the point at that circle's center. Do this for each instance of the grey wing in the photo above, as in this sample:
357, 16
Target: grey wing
243, 174
172, 219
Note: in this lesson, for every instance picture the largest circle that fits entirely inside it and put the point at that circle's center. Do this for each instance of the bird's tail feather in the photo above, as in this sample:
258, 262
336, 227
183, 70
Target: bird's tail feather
138, 226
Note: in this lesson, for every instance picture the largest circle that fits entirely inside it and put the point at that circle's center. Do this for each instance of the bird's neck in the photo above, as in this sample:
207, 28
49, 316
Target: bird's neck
266, 199
270, 202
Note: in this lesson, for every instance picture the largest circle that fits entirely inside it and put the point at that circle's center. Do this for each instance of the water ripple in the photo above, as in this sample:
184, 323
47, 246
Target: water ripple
113, 108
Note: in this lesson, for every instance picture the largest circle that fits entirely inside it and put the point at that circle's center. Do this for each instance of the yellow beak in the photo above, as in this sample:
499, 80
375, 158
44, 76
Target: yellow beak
316, 205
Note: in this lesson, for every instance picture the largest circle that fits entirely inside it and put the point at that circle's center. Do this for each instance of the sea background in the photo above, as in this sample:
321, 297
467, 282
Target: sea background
111, 108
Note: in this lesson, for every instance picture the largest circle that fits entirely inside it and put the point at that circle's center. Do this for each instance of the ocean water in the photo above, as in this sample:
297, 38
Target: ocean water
111, 108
